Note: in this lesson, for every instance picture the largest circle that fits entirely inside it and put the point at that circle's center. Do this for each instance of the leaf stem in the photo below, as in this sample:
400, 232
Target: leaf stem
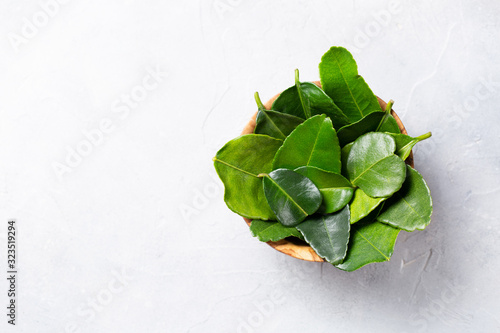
424, 136
258, 101
388, 109
297, 76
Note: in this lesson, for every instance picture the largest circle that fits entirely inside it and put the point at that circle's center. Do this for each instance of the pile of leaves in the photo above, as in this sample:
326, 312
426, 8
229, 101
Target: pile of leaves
326, 165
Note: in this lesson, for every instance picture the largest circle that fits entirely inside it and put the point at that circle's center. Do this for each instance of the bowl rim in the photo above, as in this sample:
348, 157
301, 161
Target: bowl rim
296, 249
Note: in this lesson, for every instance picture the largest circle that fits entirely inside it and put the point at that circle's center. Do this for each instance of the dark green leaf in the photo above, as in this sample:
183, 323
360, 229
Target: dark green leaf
335, 189
276, 124
312, 143
341, 81
328, 235
291, 196
351, 132
411, 207
362, 205
373, 167
273, 231
369, 242
238, 165
405, 143
305, 100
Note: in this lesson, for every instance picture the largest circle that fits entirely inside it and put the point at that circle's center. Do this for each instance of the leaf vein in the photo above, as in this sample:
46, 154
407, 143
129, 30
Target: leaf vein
386, 258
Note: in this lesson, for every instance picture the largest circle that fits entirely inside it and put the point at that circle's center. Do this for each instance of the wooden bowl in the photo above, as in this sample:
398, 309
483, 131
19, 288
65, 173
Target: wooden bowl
295, 247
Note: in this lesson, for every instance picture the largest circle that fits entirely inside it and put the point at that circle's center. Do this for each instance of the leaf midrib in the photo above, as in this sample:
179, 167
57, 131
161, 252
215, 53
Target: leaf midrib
347, 85
315, 143
366, 239
406, 145
369, 168
307, 113
286, 194
328, 234
272, 122
235, 167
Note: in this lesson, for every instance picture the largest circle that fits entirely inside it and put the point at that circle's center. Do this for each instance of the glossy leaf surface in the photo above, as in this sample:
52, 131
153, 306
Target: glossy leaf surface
335, 189
373, 167
238, 165
305, 100
273, 231
291, 196
340, 80
369, 242
312, 143
411, 207
276, 124
344, 153
405, 143
362, 205
328, 234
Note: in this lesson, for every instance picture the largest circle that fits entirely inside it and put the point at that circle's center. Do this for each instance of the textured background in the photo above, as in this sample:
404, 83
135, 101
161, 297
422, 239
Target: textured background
107, 168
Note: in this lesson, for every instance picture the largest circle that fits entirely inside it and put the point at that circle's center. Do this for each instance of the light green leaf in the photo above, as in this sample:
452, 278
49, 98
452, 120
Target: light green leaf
335, 189
305, 100
291, 196
390, 126
340, 80
312, 143
369, 242
273, 231
362, 205
411, 207
238, 165
373, 167
405, 143
328, 235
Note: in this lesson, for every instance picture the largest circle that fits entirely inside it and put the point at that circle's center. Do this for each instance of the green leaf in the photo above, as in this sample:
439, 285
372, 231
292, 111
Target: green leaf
291, 196
351, 132
405, 143
390, 126
340, 80
373, 167
411, 207
335, 189
238, 165
312, 143
369, 242
305, 100
344, 154
362, 205
276, 124
273, 231
328, 235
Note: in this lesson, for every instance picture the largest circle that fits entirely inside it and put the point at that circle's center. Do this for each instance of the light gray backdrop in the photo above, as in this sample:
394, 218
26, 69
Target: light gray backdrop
110, 113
